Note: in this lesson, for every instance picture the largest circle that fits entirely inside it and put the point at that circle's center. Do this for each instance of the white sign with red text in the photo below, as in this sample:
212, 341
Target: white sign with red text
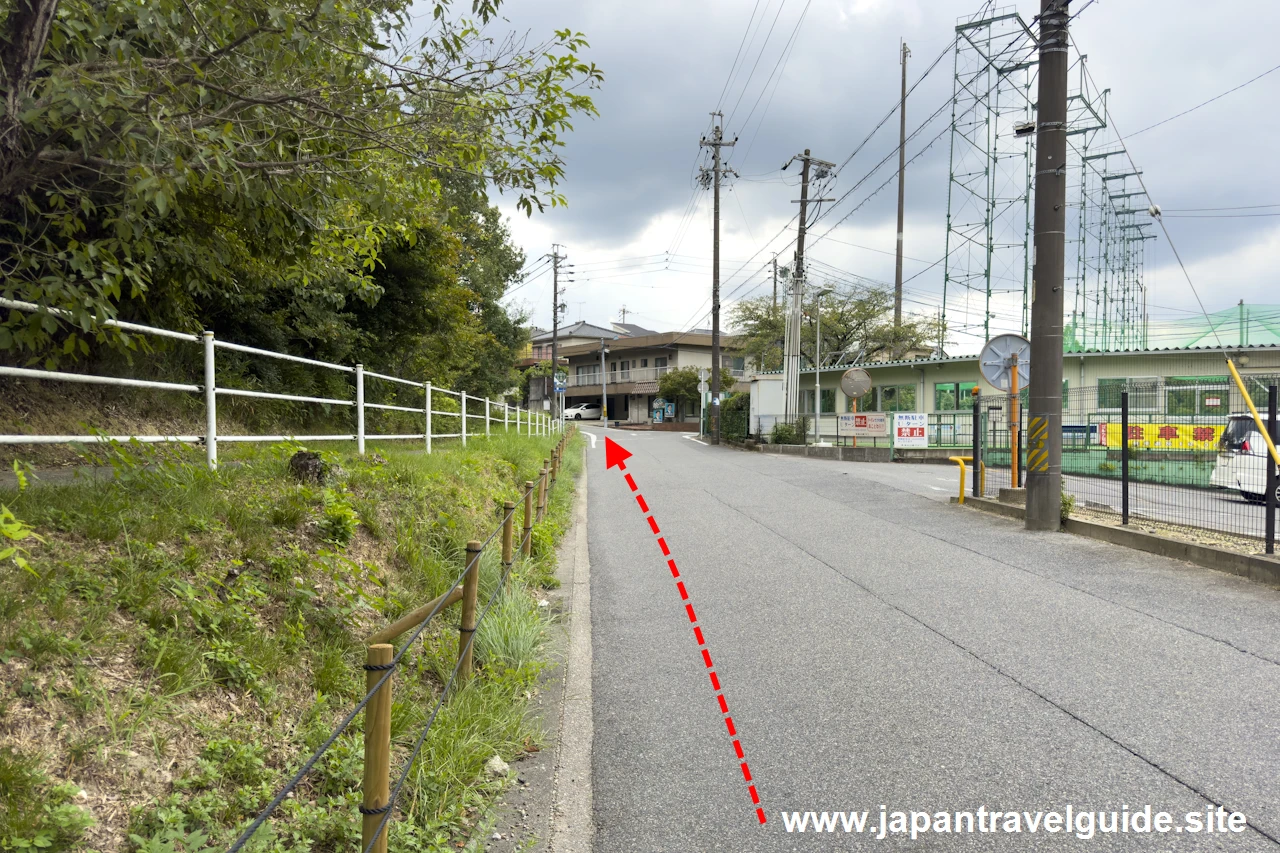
910, 429
863, 424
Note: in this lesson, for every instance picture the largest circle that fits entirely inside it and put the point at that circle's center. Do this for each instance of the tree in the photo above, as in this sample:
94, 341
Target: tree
679, 384
761, 331
161, 153
854, 320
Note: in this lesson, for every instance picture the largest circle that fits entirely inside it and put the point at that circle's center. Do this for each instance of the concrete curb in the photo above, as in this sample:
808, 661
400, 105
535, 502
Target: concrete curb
839, 454
1254, 567
573, 814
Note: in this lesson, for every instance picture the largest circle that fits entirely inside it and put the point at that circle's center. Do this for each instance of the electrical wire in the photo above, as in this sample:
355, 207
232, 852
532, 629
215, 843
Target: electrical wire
1203, 103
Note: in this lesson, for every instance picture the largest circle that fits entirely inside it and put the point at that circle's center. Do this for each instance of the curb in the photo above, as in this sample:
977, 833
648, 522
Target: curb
1256, 568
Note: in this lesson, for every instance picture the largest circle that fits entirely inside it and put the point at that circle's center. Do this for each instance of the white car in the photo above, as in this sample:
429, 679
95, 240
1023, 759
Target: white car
1240, 439
583, 412
1249, 468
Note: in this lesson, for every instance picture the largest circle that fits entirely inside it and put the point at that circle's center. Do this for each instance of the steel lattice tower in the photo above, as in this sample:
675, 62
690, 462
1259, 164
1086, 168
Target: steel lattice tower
988, 257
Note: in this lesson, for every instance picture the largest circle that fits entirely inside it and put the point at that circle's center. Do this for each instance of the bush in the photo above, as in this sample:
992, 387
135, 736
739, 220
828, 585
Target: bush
789, 433
1068, 506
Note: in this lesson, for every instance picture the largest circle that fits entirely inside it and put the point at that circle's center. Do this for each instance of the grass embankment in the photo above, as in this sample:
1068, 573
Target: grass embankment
182, 639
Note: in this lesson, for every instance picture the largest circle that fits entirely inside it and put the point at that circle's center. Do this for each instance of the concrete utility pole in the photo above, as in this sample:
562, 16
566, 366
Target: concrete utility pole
556, 308
902, 169
791, 359
1044, 433
775, 283
715, 143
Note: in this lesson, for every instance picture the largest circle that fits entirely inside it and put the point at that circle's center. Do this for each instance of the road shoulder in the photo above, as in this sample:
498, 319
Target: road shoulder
548, 805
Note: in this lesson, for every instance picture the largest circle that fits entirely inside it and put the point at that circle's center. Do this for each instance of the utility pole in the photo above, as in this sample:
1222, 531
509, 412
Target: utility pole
775, 284
623, 312
1044, 433
715, 143
902, 168
556, 308
791, 359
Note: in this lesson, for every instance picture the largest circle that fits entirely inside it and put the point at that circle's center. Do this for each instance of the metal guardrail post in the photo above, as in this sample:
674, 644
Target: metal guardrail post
526, 541
1271, 472
360, 409
464, 418
428, 410
377, 747
508, 531
506, 418
210, 405
486, 417
976, 429
1124, 457
467, 627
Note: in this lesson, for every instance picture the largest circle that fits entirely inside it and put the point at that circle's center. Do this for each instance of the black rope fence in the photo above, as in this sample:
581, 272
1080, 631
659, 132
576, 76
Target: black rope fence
442, 602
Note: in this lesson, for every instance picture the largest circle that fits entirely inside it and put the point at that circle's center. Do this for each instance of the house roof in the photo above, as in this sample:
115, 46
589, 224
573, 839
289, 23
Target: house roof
578, 330
632, 330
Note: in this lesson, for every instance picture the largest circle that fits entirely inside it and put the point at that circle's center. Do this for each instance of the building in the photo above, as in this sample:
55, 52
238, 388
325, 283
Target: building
1178, 383
633, 364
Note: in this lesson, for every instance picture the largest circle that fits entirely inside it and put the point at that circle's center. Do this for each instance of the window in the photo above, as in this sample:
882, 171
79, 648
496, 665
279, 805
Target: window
889, 398
866, 403
828, 401
1196, 395
626, 370
660, 361
806, 402
644, 362
1144, 393
951, 396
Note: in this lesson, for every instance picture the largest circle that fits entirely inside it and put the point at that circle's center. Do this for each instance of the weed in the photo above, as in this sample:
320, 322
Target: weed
1107, 467
339, 521
34, 814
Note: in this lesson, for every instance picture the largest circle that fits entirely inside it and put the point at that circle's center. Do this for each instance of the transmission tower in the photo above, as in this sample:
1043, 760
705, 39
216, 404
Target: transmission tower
987, 273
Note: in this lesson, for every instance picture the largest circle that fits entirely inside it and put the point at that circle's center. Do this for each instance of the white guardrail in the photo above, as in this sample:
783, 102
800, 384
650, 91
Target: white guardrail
531, 423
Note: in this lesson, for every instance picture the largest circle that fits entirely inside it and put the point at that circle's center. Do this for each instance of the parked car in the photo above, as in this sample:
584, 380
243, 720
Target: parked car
1240, 439
583, 412
1249, 467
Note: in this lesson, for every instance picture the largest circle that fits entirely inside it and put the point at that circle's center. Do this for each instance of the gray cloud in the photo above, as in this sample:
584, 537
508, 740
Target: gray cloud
666, 63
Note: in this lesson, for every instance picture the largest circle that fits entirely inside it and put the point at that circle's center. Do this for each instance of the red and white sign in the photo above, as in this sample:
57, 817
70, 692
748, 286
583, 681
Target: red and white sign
863, 424
910, 429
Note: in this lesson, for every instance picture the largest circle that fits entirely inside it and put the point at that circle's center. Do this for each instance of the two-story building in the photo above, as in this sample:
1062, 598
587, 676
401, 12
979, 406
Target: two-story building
632, 364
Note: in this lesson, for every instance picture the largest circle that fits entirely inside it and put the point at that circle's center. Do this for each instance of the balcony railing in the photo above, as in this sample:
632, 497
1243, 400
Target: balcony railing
634, 374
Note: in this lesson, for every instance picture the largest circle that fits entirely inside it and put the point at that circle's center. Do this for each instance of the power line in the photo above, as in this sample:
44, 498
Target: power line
775, 74
1204, 103
734, 66
764, 44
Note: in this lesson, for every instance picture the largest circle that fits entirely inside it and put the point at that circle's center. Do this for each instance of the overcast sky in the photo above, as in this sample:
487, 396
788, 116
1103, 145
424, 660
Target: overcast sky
630, 170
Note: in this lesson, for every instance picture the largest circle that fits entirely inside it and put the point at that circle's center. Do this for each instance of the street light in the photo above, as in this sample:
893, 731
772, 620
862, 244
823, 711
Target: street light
817, 362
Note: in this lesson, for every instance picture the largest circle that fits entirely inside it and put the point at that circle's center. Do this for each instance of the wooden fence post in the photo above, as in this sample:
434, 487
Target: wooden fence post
542, 490
508, 528
526, 543
470, 583
377, 747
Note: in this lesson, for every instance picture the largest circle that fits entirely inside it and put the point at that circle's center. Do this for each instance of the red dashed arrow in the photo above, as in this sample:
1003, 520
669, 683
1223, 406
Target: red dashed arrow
616, 455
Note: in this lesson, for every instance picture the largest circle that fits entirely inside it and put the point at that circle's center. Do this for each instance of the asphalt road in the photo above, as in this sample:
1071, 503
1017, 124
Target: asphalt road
1215, 509
878, 647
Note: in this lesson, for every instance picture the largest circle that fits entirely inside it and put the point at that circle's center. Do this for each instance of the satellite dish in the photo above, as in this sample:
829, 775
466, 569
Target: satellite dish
997, 359
855, 382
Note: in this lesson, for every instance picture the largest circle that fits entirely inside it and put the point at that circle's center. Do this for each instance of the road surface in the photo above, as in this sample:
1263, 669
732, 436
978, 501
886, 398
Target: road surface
876, 647
1214, 509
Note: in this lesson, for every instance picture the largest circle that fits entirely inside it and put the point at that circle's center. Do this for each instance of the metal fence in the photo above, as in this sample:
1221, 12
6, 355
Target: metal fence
445, 414
1170, 457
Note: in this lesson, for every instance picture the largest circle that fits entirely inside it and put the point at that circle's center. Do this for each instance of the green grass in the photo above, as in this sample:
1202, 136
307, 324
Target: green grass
187, 636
